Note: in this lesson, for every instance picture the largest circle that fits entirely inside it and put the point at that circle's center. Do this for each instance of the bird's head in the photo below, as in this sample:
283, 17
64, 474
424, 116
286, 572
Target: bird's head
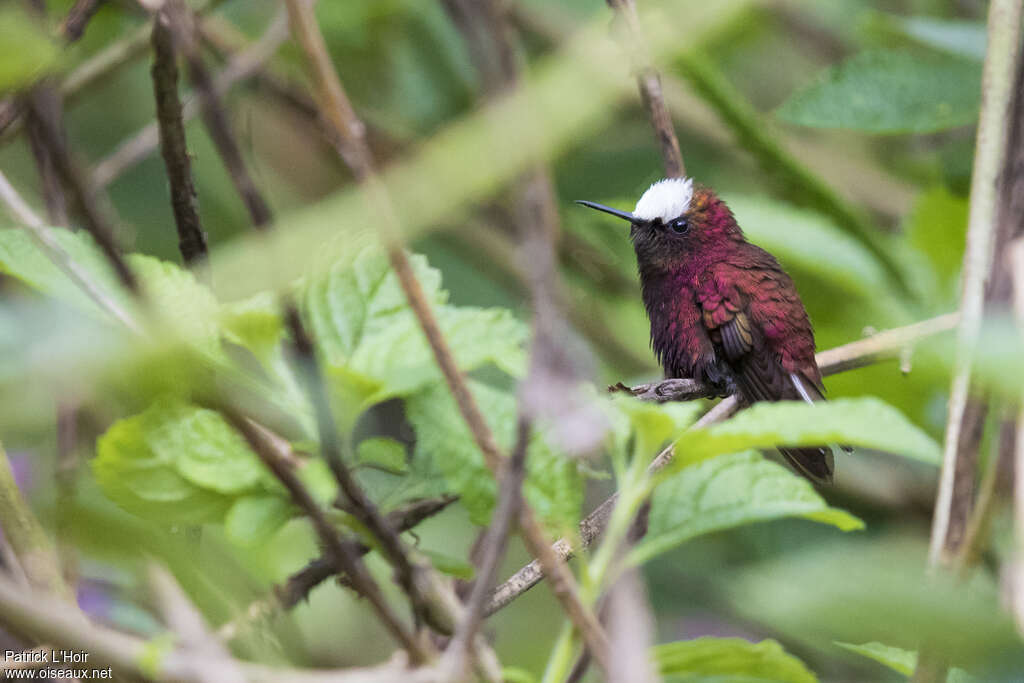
675, 223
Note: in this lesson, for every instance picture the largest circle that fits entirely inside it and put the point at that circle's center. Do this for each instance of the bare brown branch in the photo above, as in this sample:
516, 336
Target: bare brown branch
343, 555
174, 149
94, 215
649, 82
183, 24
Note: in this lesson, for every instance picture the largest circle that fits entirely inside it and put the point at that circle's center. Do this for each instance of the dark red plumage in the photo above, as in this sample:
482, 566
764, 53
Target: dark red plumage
723, 310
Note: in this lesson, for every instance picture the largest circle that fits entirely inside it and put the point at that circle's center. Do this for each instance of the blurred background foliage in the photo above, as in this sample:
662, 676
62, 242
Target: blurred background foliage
877, 100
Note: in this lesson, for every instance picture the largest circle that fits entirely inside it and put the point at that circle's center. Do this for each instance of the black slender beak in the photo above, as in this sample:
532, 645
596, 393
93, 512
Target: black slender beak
607, 209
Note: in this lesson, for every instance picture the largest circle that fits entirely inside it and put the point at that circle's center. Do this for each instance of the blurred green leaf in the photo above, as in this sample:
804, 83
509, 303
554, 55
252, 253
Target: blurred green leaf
807, 240
138, 464
553, 486
384, 453
254, 519
254, 323
902, 661
937, 227
732, 659
26, 49
956, 36
890, 91
373, 343
452, 566
729, 491
867, 422
652, 424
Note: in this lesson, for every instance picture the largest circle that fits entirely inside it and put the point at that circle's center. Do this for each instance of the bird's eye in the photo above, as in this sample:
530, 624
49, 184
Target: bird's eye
679, 226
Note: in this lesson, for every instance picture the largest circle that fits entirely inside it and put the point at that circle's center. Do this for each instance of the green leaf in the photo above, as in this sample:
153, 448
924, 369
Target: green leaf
730, 659
383, 453
254, 519
902, 661
21, 258
726, 492
890, 91
26, 49
254, 323
177, 301
937, 227
373, 344
867, 422
553, 486
956, 36
137, 467
807, 240
651, 423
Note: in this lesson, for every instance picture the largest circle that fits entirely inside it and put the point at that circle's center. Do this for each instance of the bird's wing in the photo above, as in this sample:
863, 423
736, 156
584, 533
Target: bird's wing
726, 314
740, 334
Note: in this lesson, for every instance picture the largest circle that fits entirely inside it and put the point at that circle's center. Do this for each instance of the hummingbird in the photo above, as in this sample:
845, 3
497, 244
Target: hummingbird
722, 310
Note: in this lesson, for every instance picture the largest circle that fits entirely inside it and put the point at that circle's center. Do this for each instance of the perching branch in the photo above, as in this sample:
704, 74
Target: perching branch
885, 345
649, 81
191, 238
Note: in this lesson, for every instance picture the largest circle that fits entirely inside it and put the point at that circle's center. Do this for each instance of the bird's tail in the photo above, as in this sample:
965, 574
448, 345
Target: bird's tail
817, 463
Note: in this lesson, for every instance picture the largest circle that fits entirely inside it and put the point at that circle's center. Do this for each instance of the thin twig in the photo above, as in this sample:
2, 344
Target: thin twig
53, 192
174, 149
649, 81
49, 620
1016, 252
183, 24
139, 146
77, 17
27, 219
298, 586
95, 219
990, 150
352, 131
856, 354
185, 621
345, 558
26, 536
412, 576
495, 541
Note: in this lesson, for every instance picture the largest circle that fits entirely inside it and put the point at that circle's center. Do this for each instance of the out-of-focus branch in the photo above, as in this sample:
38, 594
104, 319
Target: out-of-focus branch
141, 145
49, 620
414, 577
888, 344
649, 82
183, 619
73, 25
183, 24
344, 556
32, 548
27, 219
191, 238
53, 192
351, 131
998, 78
94, 216
1016, 254
492, 550
299, 585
